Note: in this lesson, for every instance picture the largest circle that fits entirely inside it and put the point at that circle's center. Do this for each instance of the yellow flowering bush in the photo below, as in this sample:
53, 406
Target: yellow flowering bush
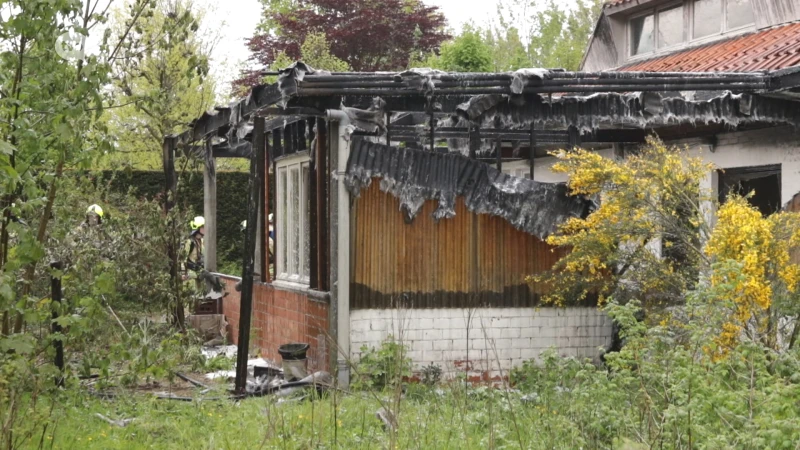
649, 197
650, 239
762, 247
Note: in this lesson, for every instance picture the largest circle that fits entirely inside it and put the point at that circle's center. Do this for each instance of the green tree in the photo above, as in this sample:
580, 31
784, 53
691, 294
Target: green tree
508, 52
316, 52
468, 52
52, 97
559, 36
161, 81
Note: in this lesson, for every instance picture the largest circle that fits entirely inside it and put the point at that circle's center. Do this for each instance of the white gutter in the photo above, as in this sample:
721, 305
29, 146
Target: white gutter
340, 246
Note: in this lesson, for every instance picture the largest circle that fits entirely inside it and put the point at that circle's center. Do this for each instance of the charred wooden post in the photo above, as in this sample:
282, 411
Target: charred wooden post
277, 148
432, 137
474, 141
388, 131
210, 208
246, 308
532, 146
498, 153
499, 144
55, 295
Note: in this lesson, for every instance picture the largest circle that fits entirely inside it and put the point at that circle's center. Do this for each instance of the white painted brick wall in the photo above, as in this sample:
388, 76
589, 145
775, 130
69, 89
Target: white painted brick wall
499, 338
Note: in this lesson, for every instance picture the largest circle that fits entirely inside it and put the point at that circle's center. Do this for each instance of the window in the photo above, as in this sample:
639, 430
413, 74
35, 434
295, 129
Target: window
642, 29
764, 182
666, 27
659, 29
292, 222
707, 14
712, 17
739, 13
670, 26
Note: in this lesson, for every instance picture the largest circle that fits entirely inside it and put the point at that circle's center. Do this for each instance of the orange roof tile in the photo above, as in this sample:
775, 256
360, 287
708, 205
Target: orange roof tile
772, 49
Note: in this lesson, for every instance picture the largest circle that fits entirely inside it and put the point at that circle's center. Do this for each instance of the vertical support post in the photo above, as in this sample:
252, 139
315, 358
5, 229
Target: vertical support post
574, 136
170, 192
322, 203
246, 308
300, 132
499, 153
210, 208
532, 146
474, 141
432, 122
388, 131
277, 148
55, 295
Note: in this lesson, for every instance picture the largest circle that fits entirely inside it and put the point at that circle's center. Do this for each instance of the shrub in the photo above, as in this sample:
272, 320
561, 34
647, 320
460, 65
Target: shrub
382, 367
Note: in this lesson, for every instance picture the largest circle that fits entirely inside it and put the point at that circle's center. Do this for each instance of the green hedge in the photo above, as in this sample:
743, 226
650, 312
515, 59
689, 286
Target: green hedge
231, 205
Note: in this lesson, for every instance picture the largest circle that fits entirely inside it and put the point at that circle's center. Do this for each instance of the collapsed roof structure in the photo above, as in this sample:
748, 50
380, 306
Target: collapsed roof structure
429, 135
499, 117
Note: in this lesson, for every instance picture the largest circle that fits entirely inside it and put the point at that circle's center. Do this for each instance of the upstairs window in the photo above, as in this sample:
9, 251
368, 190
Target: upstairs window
739, 13
670, 26
712, 17
656, 30
642, 33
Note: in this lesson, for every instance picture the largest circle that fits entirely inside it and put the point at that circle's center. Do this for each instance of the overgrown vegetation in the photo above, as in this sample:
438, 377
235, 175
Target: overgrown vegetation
713, 365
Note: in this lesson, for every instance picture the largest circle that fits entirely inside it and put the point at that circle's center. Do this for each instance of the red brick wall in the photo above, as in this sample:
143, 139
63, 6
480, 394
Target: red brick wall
281, 317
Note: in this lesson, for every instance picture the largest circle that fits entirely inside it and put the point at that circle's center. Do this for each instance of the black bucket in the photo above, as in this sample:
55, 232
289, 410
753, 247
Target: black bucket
293, 352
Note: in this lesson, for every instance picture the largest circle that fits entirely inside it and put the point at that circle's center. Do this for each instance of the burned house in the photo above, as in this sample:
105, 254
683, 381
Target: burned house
414, 204
713, 36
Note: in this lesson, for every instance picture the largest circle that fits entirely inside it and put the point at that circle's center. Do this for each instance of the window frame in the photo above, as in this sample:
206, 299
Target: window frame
287, 270
654, 11
724, 29
688, 38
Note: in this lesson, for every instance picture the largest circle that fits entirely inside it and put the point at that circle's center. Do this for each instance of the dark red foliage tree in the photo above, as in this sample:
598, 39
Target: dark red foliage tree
371, 35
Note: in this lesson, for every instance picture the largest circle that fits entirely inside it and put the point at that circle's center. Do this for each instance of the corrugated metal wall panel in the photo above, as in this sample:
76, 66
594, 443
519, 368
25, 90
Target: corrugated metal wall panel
469, 260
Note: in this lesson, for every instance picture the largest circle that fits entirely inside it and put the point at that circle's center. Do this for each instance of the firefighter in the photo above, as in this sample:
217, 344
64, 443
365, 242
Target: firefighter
193, 248
94, 216
194, 263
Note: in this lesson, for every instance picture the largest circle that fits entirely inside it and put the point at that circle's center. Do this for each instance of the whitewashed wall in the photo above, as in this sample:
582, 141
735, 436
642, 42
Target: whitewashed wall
757, 148
496, 340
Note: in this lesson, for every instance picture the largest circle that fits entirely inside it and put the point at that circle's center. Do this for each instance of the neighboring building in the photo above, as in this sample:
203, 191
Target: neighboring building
714, 36
430, 243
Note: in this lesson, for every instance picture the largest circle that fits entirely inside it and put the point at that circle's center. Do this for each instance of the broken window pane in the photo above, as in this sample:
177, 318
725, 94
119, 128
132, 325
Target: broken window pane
294, 257
740, 13
642, 29
707, 17
670, 27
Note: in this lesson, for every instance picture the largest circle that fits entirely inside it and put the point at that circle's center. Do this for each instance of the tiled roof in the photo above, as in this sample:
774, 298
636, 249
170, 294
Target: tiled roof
772, 49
